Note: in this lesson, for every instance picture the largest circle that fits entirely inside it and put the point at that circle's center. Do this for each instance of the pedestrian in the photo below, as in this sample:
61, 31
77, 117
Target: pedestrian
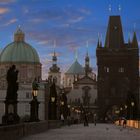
68, 120
62, 119
95, 119
124, 123
85, 120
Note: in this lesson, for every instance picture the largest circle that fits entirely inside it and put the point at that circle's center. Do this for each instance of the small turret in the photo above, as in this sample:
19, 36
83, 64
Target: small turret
134, 41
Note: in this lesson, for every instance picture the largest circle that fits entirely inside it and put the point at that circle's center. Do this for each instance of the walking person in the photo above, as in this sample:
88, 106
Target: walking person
85, 120
95, 119
124, 123
62, 119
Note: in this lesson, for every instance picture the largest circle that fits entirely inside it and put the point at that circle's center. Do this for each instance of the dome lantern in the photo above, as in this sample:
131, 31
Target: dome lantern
19, 35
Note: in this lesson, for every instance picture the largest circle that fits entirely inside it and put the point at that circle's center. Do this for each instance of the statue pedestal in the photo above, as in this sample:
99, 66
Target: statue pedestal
34, 110
11, 116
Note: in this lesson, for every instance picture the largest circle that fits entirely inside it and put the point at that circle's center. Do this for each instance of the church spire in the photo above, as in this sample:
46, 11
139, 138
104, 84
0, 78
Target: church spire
87, 62
134, 41
114, 35
54, 67
76, 54
129, 40
98, 43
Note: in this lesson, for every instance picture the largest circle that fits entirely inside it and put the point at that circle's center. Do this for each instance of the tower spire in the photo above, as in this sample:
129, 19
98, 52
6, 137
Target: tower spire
54, 46
87, 48
129, 41
76, 54
98, 43
134, 41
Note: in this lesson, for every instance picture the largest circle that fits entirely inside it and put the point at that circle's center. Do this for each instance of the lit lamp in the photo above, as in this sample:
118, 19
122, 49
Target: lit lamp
117, 111
62, 102
34, 103
125, 106
132, 104
68, 106
121, 109
34, 93
53, 99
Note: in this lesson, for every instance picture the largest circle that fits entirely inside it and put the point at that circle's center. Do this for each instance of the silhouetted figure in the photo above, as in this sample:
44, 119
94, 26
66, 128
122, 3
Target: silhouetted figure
95, 119
11, 116
124, 123
85, 120
12, 75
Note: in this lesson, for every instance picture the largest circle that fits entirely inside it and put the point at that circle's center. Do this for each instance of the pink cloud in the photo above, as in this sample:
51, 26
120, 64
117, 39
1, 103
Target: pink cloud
3, 10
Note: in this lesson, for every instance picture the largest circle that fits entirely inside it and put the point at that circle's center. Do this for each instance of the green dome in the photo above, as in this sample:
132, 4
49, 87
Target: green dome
19, 51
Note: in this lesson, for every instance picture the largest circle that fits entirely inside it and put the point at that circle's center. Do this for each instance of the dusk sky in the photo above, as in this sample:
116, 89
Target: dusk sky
70, 22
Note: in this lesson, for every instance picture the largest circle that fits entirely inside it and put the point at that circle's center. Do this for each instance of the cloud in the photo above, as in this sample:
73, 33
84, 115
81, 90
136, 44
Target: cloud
6, 1
3, 10
11, 21
76, 19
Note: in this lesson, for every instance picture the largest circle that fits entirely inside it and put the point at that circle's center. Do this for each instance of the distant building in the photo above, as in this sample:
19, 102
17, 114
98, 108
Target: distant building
27, 62
84, 89
118, 71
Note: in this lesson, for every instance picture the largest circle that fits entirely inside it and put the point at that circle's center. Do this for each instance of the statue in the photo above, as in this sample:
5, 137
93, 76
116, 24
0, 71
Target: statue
11, 116
12, 76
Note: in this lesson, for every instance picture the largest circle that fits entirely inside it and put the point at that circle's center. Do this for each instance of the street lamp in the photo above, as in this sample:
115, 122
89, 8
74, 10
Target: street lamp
132, 113
125, 106
34, 103
52, 99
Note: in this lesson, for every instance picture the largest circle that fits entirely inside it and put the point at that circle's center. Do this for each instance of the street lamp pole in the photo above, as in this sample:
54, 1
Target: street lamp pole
34, 103
132, 110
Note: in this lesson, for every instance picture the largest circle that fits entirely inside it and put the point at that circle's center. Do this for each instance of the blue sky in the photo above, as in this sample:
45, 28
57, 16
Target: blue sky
70, 22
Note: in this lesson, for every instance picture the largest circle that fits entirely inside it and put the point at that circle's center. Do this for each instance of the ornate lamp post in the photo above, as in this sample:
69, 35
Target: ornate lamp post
125, 107
132, 109
34, 103
52, 102
63, 103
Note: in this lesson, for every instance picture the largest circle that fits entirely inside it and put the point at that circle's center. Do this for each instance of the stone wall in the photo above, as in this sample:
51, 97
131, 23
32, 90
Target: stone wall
15, 132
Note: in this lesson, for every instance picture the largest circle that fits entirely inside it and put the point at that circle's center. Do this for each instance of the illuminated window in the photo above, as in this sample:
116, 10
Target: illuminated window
106, 69
121, 69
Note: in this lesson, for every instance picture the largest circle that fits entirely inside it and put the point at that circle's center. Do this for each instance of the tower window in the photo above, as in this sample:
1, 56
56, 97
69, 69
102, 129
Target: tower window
121, 69
106, 69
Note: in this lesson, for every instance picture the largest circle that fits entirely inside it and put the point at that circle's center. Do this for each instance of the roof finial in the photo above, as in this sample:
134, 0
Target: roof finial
129, 41
76, 54
87, 47
54, 46
119, 8
134, 27
19, 26
110, 8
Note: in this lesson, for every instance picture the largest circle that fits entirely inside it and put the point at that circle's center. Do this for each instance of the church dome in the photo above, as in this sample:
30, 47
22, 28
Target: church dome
75, 68
19, 50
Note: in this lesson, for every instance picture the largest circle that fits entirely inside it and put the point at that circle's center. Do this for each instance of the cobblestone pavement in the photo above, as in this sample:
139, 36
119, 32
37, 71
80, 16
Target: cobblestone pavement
79, 132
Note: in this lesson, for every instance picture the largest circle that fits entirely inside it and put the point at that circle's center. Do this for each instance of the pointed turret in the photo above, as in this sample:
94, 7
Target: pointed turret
98, 43
54, 67
134, 41
87, 63
114, 35
129, 41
